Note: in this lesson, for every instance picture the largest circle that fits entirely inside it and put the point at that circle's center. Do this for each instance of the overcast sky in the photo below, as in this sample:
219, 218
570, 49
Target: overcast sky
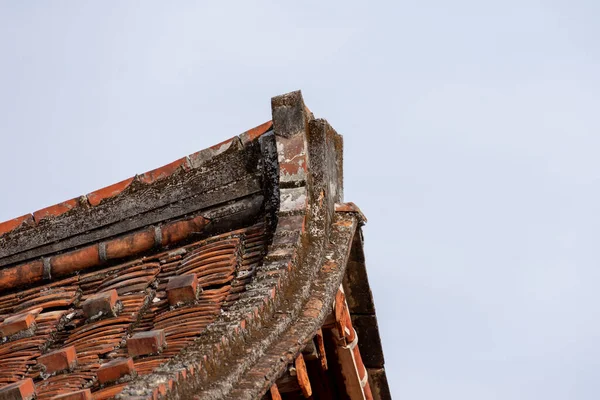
471, 132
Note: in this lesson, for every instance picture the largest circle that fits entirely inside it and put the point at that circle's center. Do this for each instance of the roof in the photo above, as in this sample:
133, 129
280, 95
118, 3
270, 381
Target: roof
205, 278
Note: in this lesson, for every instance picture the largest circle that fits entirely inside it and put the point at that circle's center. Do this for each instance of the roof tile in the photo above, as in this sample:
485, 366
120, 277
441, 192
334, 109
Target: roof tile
85, 394
16, 324
24, 274
97, 196
101, 304
256, 132
21, 390
115, 370
146, 343
55, 210
59, 360
182, 289
14, 223
165, 171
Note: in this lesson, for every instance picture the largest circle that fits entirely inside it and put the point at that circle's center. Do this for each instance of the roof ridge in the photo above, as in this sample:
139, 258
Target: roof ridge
94, 198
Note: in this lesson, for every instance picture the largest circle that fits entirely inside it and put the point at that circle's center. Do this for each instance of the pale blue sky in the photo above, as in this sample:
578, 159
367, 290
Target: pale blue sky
471, 141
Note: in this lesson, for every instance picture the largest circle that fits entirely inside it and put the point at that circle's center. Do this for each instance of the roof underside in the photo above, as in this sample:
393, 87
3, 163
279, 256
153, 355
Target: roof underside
237, 254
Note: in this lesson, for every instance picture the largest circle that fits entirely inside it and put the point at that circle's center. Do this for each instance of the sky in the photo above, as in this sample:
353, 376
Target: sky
471, 132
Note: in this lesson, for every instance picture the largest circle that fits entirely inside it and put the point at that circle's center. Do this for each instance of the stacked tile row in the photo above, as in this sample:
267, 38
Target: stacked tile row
123, 321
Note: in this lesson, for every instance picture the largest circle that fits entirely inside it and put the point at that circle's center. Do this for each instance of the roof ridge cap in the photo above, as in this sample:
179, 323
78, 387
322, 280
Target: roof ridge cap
95, 197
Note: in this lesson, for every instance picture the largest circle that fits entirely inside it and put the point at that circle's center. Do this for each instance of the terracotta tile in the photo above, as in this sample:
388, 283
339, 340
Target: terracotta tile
55, 210
21, 390
101, 304
12, 224
108, 192
256, 132
59, 360
112, 391
129, 245
224, 145
182, 289
214, 261
115, 370
16, 324
201, 157
85, 394
146, 343
74, 261
164, 171
180, 230
21, 275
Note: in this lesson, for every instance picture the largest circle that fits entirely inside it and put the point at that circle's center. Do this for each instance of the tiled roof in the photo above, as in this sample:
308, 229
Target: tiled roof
66, 314
206, 278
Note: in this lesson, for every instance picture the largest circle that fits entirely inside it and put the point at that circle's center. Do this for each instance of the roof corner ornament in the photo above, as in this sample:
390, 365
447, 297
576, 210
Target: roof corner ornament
290, 115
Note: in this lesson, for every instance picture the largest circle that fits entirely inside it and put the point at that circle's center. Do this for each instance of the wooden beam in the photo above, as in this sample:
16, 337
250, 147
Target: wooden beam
275, 395
321, 349
302, 375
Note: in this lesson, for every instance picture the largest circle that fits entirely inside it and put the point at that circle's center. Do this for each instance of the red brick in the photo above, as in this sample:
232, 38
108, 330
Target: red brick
115, 370
73, 261
21, 390
85, 394
164, 171
293, 172
16, 323
182, 289
104, 302
291, 148
146, 343
59, 360
55, 210
108, 192
14, 223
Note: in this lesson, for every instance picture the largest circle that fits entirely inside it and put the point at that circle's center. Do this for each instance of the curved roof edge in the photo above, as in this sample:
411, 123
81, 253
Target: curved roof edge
299, 288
